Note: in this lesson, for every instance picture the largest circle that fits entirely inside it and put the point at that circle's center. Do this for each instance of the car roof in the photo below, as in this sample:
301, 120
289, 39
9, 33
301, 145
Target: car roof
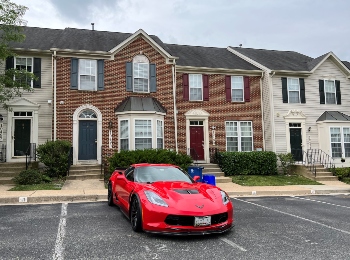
137, 165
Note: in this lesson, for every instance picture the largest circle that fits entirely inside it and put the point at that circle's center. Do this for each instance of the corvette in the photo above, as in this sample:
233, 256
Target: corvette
161, 198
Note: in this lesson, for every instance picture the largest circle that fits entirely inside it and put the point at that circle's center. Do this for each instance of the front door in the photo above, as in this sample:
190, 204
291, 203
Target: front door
197, 142
87, 140
295, 143
21, 136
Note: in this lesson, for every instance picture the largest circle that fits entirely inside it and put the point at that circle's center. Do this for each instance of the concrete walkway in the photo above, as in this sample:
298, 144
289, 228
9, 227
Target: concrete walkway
94, 190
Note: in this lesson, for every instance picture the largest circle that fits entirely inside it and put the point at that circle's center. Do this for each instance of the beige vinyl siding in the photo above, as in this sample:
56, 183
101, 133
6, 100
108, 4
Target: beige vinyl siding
312, 109
266, 99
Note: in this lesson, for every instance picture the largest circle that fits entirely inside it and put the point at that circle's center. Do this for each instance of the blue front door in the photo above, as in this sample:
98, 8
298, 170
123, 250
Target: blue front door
87, 140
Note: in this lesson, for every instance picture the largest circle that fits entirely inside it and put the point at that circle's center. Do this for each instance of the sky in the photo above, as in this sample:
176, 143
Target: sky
310, 27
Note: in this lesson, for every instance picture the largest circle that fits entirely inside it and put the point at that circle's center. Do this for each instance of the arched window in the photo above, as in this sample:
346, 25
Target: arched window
87, 114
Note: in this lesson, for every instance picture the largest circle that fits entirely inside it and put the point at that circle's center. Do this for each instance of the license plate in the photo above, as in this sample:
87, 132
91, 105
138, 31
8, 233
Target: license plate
202, 221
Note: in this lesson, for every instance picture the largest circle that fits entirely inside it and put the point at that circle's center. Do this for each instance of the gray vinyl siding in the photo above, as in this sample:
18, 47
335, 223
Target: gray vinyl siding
266, 99
312, 109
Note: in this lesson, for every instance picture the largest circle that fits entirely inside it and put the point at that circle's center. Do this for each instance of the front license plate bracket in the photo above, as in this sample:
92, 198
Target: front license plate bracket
202, 221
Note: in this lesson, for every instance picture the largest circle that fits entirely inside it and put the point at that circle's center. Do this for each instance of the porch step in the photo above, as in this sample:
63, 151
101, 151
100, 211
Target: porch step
8, 170
6, 181
223, 179
85, 172
326, 178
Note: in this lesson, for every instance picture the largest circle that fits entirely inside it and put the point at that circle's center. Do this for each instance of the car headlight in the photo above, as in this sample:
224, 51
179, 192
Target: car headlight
155, 199
225, 197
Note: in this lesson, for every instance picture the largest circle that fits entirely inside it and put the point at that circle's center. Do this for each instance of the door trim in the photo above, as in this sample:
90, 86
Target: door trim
295, 116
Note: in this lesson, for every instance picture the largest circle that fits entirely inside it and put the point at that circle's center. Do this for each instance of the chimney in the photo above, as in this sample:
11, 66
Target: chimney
92, 24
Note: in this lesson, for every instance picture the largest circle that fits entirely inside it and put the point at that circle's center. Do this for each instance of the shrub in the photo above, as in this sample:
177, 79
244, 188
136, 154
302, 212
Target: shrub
341, 173
125, 158
248, 163
286, 161
29, 177
54, 154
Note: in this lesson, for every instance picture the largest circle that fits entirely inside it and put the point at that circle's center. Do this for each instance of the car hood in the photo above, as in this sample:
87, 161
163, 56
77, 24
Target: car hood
192, 197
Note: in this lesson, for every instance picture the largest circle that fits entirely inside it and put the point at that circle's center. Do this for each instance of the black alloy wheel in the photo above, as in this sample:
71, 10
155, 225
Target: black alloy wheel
135, 215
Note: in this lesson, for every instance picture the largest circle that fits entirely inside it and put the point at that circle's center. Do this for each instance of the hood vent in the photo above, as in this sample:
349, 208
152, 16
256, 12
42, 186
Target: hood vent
187, 191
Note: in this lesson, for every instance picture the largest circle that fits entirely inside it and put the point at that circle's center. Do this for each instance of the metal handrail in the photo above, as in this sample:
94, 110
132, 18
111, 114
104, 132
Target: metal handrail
314, 157
193, 153
70, 159
30, 154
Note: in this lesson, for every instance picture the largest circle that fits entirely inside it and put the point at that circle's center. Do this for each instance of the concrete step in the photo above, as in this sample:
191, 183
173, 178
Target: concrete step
73, 172
216, 174
85, 167
324, 174
326, 178
6, 181
8, 174
84, 177
223, 179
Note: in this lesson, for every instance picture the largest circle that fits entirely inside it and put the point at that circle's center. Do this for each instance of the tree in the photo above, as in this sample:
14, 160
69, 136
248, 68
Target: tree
13, 82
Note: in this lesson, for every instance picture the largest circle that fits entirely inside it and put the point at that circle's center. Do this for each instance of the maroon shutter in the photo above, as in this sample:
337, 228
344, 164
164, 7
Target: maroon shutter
185, 86
246, 89
205, 88
228, 88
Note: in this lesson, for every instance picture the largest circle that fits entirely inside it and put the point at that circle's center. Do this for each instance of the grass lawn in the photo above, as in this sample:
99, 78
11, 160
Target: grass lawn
272, 180
54, 185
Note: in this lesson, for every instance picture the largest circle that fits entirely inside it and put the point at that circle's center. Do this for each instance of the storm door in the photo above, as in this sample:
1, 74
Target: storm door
296, 141
21, 136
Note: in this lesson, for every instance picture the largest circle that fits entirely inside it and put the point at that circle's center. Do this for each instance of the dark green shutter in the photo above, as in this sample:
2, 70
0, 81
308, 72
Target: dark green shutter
284, 90
152, 78
129, 76
321, 90
74, 73
302, 91
10, 63
100, 75
37, 73
337, 88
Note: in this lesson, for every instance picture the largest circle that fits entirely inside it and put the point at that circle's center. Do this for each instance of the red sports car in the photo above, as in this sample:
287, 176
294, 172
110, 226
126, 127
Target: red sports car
161, 198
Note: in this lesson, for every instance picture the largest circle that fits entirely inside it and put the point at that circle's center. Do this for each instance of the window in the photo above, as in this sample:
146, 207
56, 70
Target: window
239, 136
87, 74
293, 90
237, 89
124, 135
340, 141
196, 87
143, 134
329, 89
88, 114
160, 134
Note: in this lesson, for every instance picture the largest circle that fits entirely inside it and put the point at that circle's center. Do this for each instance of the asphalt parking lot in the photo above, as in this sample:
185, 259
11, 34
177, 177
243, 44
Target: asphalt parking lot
310, 227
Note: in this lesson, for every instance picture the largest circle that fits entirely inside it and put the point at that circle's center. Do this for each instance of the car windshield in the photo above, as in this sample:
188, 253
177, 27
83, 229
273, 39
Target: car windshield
151, 174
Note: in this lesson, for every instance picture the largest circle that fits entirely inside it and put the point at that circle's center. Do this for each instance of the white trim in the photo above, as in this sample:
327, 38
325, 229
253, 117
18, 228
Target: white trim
79, 74
293, 90
76, 131
298, 117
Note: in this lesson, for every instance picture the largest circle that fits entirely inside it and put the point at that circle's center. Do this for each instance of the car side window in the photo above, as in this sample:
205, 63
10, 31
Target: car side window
129, 174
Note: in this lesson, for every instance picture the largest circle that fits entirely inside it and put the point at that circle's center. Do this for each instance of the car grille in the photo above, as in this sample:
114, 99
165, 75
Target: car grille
175, 220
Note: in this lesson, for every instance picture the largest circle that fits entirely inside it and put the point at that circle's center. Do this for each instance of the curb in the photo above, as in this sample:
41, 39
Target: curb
53, 199
286, 193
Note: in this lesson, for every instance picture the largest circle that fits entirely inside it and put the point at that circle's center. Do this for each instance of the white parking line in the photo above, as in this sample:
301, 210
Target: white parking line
233, 244
59, 249
285, 213
328, 203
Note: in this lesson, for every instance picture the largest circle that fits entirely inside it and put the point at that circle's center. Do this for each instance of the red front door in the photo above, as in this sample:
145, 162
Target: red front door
197, 141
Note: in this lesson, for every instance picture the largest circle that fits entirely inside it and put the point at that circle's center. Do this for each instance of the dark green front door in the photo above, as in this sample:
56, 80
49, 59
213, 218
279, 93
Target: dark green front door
21, 137
295, 143
87, 140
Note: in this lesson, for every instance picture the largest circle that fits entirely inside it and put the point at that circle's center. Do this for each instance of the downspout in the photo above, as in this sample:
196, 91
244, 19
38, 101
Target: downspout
272, 113
54, 96
262, 108
174, 100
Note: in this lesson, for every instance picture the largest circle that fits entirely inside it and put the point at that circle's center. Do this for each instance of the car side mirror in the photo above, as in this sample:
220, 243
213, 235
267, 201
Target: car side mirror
196, 178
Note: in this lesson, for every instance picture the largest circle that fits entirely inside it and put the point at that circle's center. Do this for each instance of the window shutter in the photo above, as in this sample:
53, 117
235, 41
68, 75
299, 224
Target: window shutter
74, 74
228, 88
284, 90
321, 90
10, 63
37, 73
185, 86
100, 74
302, 91
129, 76
205, 88
337, 88
152, 78
246, 89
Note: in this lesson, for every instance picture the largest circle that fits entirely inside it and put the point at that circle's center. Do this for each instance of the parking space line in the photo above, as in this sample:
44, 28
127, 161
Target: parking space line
295, 216
233, 244
59, 249
324, 202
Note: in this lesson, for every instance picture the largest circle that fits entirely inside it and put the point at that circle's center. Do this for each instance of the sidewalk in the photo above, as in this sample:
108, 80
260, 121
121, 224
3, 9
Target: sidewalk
94, 190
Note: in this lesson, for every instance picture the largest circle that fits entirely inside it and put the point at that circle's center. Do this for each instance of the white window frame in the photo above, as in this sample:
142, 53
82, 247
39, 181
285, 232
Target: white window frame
239, 134
160, 133
32, 65
325, 91
236, 86
121, 137
289, 84
198, 85
87, 74
144, 137
137, 62
342, 142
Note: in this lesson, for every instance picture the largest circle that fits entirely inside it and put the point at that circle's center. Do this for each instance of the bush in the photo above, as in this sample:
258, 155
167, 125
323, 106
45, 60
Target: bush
248, 163
126, 158
341, 173
286, 161
54, 154
29, 177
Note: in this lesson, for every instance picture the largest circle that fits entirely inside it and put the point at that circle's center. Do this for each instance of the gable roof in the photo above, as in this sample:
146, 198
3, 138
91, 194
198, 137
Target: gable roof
209, 57
333, 116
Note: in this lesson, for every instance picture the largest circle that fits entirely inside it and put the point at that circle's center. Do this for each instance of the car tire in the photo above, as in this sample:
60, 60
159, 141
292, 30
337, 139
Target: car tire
135, 215
110, 195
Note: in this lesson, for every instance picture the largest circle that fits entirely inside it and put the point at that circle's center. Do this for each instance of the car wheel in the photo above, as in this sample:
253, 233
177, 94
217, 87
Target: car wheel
110, 195
135, 215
